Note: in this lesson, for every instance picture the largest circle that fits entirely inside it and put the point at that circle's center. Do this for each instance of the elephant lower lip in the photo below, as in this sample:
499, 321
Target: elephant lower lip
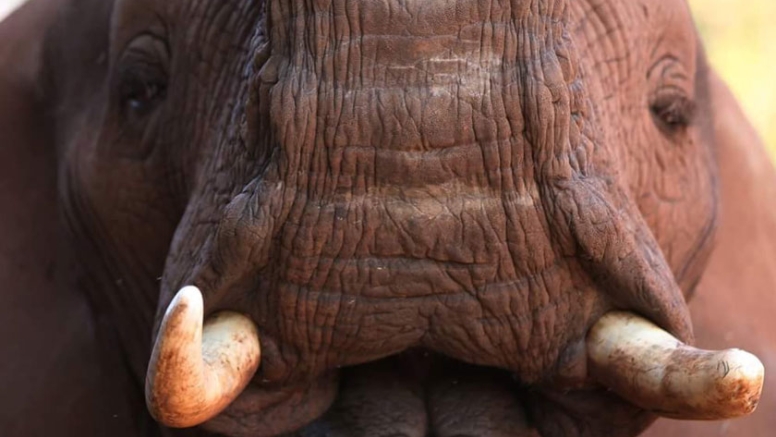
417, 393
269, 410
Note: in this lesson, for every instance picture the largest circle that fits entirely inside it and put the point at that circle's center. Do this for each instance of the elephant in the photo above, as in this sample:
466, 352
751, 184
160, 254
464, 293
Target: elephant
395, 217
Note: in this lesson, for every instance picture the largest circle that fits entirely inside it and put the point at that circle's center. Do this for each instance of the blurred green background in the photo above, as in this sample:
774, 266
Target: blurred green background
740, 37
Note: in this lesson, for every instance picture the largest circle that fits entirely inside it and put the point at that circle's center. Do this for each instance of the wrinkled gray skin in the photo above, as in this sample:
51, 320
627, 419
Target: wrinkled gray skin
423, 204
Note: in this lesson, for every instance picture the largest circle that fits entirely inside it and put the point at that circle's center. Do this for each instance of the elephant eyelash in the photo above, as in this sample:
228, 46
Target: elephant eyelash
673, 113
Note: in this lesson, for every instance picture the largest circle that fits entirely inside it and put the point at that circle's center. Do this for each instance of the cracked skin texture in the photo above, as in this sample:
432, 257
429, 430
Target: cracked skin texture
424, 205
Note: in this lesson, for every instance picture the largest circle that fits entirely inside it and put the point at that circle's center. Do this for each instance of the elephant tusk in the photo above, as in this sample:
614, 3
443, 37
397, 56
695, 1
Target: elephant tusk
195, 372
653, 370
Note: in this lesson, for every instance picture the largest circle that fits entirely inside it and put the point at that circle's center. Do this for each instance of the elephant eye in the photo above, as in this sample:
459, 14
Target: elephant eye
142, 76
141, 93
672, 111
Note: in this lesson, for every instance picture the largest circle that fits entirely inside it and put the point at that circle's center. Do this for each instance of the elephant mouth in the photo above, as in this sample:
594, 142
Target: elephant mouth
205, 373
417, 392
421, 393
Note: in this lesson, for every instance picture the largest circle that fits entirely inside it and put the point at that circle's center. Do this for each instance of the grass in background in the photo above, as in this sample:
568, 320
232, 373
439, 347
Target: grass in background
740, 39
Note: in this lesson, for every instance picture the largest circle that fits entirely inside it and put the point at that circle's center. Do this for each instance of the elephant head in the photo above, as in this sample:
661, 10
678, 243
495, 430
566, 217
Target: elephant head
399, 217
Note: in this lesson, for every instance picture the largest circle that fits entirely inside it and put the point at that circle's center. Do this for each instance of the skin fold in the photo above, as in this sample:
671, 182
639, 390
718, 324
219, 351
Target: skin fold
423, 206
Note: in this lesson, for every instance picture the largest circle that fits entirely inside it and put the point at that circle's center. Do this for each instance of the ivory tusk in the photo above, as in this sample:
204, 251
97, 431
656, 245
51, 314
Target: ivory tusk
195, 372
653, 370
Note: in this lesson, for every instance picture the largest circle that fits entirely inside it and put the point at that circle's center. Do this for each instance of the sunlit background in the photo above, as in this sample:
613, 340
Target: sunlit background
6, 6
740, 38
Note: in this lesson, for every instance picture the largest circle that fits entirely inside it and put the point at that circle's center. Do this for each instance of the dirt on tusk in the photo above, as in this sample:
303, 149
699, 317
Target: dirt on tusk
195, 372
650, 368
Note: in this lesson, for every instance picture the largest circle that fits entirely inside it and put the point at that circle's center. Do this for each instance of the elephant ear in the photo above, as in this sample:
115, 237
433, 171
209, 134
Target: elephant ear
735, 302
52, 373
